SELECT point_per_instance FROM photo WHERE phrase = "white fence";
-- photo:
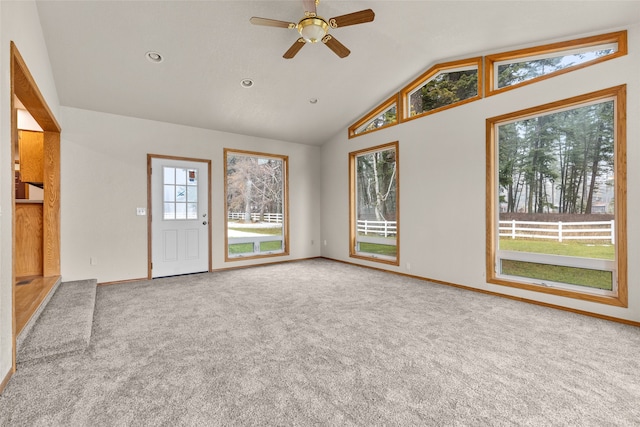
(267, 217)
(379, 228)
(592, 230)
(560, 231)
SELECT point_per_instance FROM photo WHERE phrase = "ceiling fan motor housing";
(313, 29)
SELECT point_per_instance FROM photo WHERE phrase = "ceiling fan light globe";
(313, 29)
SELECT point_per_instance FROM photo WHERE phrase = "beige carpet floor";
(324, 343)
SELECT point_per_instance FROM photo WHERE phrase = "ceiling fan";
(313, 28)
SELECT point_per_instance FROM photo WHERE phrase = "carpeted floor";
(324, 343)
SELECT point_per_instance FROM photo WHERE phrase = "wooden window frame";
(395, 99)
(430, 74)
(618, 94)
(352, 204)
(285, 204)
(619, 37)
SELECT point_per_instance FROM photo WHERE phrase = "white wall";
(104, 180)
(442, 202)
(19, 22)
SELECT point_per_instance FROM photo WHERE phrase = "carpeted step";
(64, 327)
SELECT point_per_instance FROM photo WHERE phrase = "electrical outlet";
(141, 211)
(93, 260)
(408, 266)
(325, 242)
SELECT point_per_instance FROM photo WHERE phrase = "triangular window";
(384, 115)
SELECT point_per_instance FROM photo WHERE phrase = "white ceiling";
(97, 51)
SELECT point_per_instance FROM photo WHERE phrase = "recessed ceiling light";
(313, 101)
(154, 57)
(246, 83)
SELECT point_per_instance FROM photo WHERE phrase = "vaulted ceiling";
(97, 50)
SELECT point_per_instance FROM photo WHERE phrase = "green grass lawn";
(569, 248)
(244, 248)
(555, 273)
(374, 248)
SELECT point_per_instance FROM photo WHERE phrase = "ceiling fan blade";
(271, 22)
(310, 7)
(294, 49)
(354, 18)
(337, 47)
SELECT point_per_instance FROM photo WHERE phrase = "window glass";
(511, 73)
(177, 191)
(548, 273)
(256, 194)
(443, 89)
(519, 67)
(558, 197)
(442, 86)
(384, 115)
(374, 198)
(379, 121)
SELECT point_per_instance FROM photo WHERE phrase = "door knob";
(204, 222)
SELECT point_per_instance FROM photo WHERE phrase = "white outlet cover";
(141, 211)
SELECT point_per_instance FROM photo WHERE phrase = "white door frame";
(150, 157)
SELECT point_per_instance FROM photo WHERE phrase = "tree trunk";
(247, 201)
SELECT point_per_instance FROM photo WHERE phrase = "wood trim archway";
(24, 87)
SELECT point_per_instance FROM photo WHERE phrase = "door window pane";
(192, 210)
(192, 193)
(181, 211)
(169, 175)
(181, 176)
(169, 211)
(180, 186)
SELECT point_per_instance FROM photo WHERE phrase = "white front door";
(179, 216)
